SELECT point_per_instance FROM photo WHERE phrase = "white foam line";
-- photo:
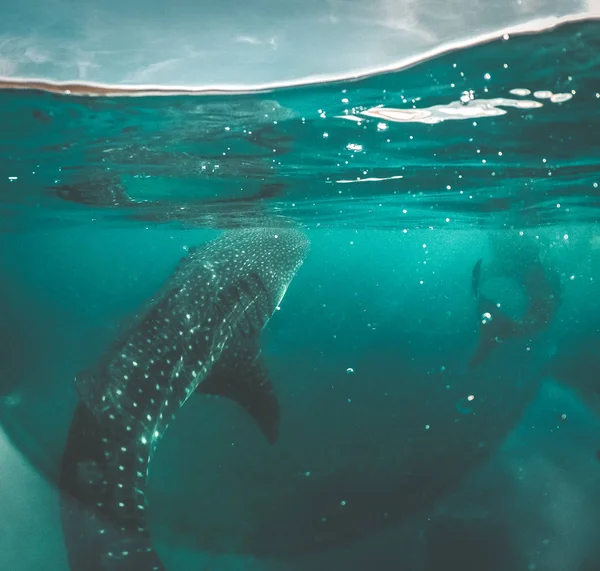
(107, 89)
(370, 179)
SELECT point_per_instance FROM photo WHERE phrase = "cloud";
(231, 44)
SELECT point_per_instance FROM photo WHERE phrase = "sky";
(233, 43)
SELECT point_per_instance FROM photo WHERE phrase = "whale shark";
(199, 334)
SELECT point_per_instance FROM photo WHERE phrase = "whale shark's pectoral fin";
(243, 378)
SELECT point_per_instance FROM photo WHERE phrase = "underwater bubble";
(467, 96)
(349, 371)
(354, 147)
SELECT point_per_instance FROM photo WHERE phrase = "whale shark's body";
(200, 333)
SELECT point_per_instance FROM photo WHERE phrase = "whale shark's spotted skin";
(199, 333)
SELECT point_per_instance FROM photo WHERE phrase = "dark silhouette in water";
(102, 192)
(110, 192)
(543, 290)
(200, 333)
(99, 188)
(422, 466)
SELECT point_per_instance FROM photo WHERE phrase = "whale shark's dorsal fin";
(241, 375)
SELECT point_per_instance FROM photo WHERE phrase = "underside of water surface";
(435, 358)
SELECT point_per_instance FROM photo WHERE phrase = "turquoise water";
(398, 449)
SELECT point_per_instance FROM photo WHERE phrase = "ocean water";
(449, 206)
